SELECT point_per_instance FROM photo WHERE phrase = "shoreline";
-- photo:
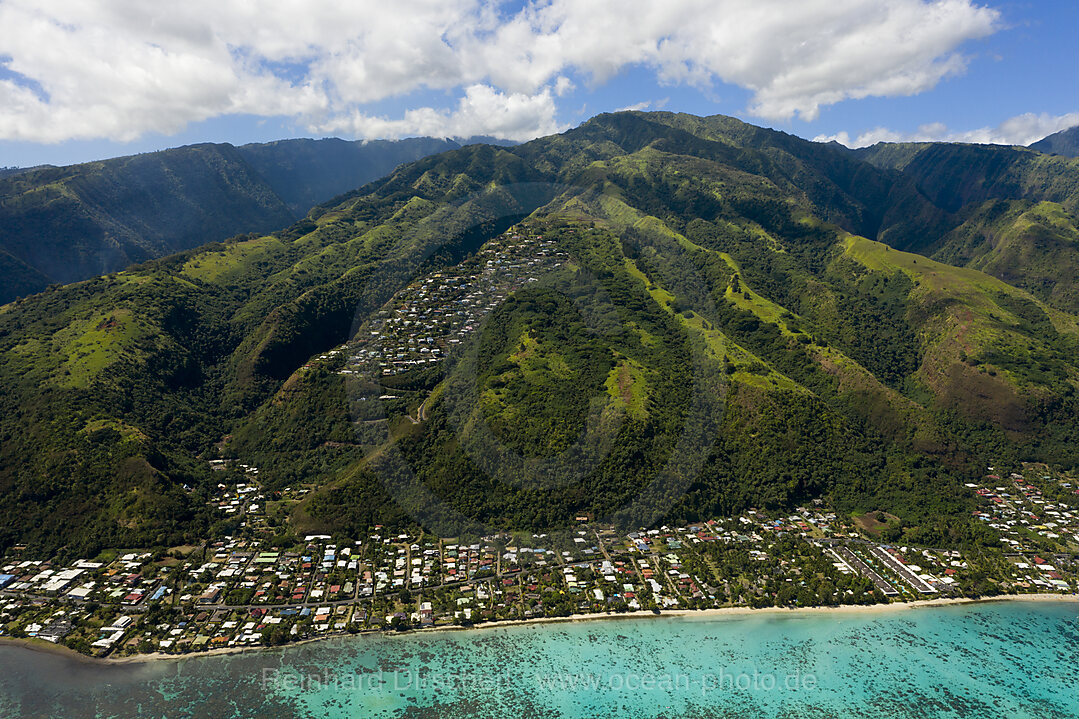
(39, 645)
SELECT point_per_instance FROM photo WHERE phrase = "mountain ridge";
(63, 224)
(1065, 142)
(853, 369)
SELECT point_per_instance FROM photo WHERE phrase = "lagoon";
(1014, 659)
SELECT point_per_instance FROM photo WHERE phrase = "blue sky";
(111, 77)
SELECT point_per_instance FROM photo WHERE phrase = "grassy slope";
(1031, 245)
(220, 267)
(889, 409)
(956, 175)
(978, 338)
(74, 222)
(69, 223)
(1015, 211)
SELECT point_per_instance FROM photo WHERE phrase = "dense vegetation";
(305, 173)
(1008, 212)
(1065, 142)
(739, 326)
(63, 224)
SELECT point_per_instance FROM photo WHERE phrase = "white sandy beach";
(733, 612)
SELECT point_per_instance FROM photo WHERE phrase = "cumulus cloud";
(1019, 130)
(121, 68)
(646, 105)
(636, 107)
(515, 116)
(794, 56)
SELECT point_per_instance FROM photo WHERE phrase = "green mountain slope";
(70, 223)
(1031, 245)
(75, 222)
(12, 171)
(720, 322)
(955, 176)
(1011, 212)
(1065, 142)
(20, 278)
(305, 173)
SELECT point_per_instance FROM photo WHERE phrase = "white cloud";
(1019, 130)
(646, 105)
(482, 111)
(1022, 129)
(794, 56)
(121, 68)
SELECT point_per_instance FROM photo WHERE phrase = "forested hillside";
(1065, 142)
(64, 224)
(739, 318)
(1010, 212)
(70, 223)
(305, 173)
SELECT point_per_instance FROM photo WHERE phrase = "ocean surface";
(1005, 659)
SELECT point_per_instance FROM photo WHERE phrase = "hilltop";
(1065, 142)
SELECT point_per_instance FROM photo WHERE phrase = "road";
(865, 570)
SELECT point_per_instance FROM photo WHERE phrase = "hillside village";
(423, 322)
(240, 591)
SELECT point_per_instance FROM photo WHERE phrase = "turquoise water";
(1007, 659)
